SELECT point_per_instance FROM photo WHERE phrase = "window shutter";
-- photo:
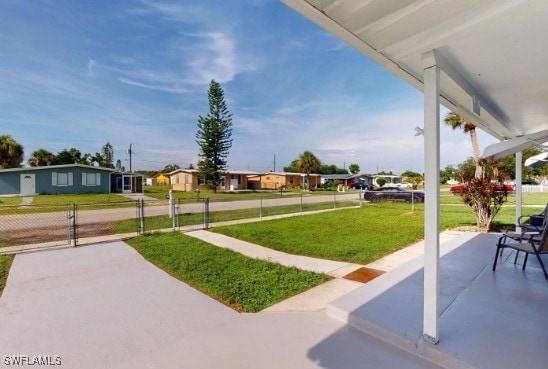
(84, 179)
(54, 178)
(98, 179)
(70, 179)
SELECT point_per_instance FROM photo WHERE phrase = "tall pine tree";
(214, 137)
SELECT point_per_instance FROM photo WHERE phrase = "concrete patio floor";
(104, 306)
(488, 319)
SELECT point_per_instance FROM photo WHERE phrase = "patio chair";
(537, 222)
(535, 226)
(529, 244)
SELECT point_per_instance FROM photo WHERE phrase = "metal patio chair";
(530, 244)
(534, 222)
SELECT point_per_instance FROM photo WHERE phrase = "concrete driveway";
(104, 306)
(98, 306)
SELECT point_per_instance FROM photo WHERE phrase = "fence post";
(334, 199)
(177, 211)
(301, 204)
(141, 212)
(206, 213)
(170, 197)
(75, 225)
(69, 226)
(172, 211)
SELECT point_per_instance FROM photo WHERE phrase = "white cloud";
(154, 87)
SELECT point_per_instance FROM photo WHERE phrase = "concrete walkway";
(104, 306)
(317, 298)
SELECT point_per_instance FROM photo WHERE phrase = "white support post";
(518, 188)
(431, 202)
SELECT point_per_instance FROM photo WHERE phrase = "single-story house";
(121, 182)
(162, 179)
(149, 181)
(190, 180)
(233, 180)
(276, 180)
(390, 179)
(186, 180)
(348, 179)
(55, 179)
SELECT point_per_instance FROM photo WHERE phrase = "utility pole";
(129, 152)
(274, 163)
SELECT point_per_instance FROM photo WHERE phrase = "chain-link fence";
(28, 227)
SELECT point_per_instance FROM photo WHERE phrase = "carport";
(483, 59)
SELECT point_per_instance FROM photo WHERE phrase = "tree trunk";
(475, 148)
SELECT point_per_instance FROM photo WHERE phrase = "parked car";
(459, 188)
(393, 194)
(361, 186)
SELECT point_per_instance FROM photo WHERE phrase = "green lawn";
(79, 199)
(359, 235)
(243, 283)
(10, 200)
(56, 203)
(5, 264)
(354, 235)
(160, 192)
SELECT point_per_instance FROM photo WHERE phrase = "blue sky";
(81, 73)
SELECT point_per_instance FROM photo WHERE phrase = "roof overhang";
(509, 147)
(537, 160)
(490, 52)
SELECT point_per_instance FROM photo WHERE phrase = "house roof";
(244, 172)
(183, 171)
(159, 174)
(291, 174)
(491, 54)
(50, 167)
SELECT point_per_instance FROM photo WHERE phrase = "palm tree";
(41, 157)
(455, 121)
(308, 163)
(11, 152)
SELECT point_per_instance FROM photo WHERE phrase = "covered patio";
(485, 60)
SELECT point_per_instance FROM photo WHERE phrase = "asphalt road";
(152, 208)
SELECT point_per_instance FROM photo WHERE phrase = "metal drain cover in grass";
(363, 274)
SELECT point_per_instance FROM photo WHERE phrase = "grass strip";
(5, 264)
(240, 282)
(186, 219)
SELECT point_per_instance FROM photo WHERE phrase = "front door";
(234, 184)
(28, 185)
(127, 184)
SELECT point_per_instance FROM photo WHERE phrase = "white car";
(403, 185)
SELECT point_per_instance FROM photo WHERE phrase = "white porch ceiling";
(491, 52)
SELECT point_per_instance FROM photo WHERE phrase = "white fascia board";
(505, 148)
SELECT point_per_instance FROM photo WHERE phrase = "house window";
(177, 179)
(201, 180)
(239, 179)
(91, 179)
(268, 178)
(61, 179)
(186, 178)
(291, 179)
